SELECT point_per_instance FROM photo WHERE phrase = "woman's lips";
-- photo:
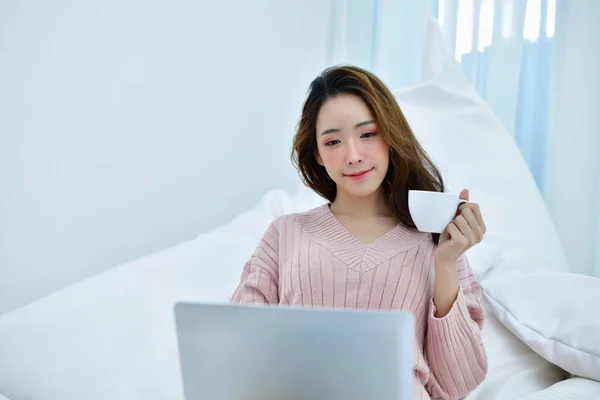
(359, 175)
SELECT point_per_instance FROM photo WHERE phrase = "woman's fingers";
(455, 233)
(473, 223)
(464, 228)
(476, 210)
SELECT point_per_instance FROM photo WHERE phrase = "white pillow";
(112, 336)
(513, 369)
(475, 151)
(556, 314)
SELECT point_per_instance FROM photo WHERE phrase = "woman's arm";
(260, 276)
(445, 288)
(453, 346)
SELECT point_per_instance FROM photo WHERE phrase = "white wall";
(573, 176)
(122, 121)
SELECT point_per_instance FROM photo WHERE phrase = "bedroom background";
(121, 122)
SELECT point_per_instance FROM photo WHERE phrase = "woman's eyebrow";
(335, 130)
(363, 123)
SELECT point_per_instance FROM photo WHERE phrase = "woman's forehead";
(343, 112)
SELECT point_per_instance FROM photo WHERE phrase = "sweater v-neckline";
(351, 235)
(324, 227)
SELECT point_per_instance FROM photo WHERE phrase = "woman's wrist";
(446, 286)
(444, 263)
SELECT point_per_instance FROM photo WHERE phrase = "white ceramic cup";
(432, 211)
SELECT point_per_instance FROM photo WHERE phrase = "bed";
(112, 336)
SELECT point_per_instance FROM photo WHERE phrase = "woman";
(355, 148)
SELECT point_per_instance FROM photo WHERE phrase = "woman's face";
(355, 156)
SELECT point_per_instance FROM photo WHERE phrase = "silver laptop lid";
(244, 352)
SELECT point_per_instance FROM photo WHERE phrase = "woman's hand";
(466, 230)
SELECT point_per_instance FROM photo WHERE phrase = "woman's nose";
(354, 154)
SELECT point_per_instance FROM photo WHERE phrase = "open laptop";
(246, 352)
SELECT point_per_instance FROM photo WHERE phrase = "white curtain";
(383, 36)
(572, 187)
(536, 64)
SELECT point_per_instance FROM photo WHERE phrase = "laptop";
(252, 352)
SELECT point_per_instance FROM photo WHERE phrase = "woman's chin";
(361, 191)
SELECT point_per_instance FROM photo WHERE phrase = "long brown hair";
(410, 167)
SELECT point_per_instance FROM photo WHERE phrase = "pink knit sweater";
(311, 259)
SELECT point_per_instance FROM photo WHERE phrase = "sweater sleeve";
(260, 276)
(453, 345)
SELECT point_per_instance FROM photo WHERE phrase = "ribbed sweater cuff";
(458, 314)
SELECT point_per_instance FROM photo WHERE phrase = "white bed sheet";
(574, 388)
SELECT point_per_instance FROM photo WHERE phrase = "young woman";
(355, 148)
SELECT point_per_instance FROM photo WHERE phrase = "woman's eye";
(332, 142)
(369, 134)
